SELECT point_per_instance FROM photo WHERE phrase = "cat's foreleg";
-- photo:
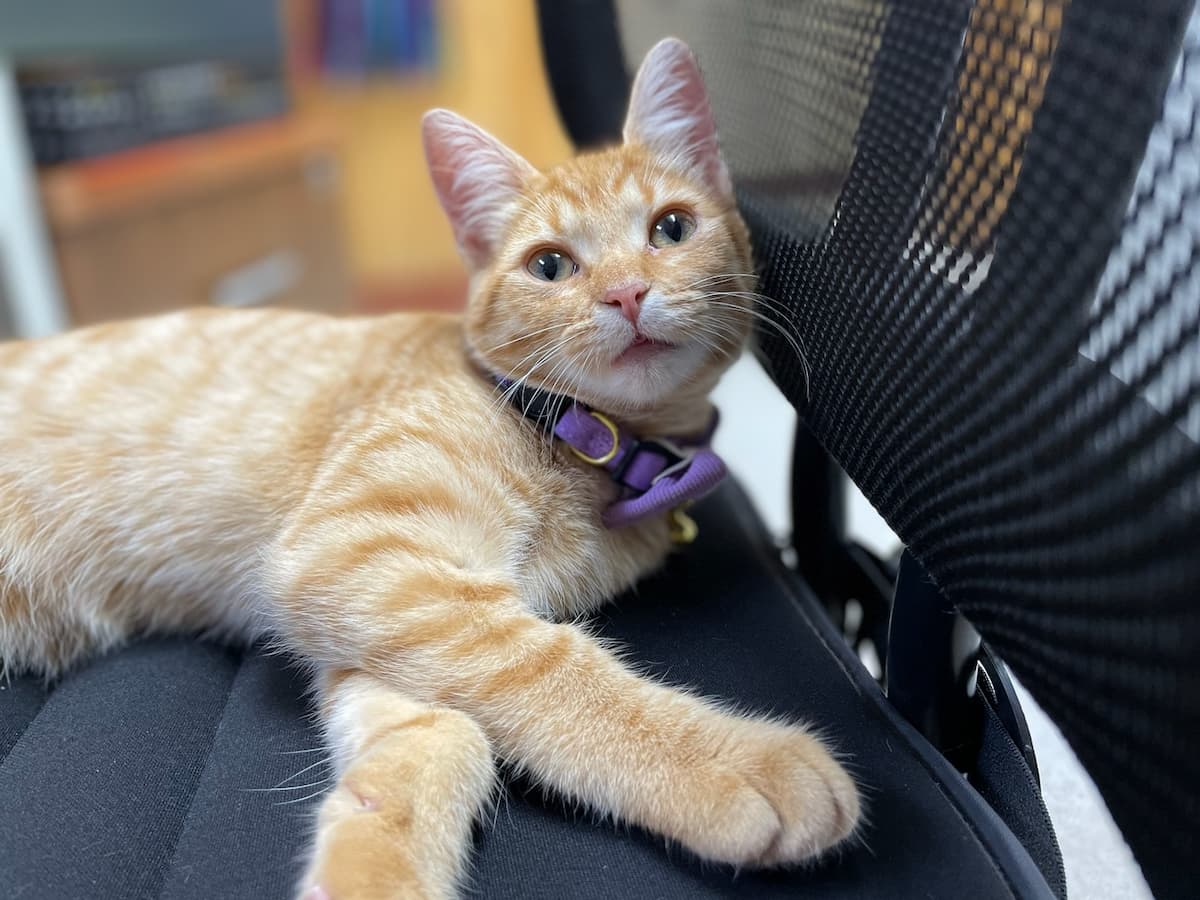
(412, 779)
(736, 789)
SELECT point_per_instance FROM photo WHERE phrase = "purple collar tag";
(656, 475)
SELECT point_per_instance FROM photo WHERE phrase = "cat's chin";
(645, 376)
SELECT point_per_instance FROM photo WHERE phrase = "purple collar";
(656, 475)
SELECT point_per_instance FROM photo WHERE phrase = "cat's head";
(619, 277)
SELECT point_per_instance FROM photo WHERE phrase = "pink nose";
(628, 297)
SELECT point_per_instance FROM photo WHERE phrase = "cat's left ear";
(478, 181)
(669, 113)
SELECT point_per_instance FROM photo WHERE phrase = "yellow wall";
(490, 71)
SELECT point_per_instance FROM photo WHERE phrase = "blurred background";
(163, 153)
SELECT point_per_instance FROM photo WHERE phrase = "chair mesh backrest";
(982, 221)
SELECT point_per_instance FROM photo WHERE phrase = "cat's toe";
(771, 795)
(738, 826)
(815, 798)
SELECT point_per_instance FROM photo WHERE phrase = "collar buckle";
(608, 457)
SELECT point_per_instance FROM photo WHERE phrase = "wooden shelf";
(78, 195)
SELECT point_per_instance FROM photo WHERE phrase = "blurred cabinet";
(242, 217)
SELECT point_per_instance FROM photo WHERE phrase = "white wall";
(30, 287)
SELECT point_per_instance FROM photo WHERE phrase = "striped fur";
(356, 488)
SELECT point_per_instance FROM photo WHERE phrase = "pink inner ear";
(669, 112)
(477, 179)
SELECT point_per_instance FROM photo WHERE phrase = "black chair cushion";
(143, 774)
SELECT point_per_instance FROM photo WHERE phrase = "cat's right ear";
(669, 112)
(477, 180)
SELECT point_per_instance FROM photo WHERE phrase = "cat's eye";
(551, 265)
(672, 228)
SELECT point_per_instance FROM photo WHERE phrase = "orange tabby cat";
(357, 488)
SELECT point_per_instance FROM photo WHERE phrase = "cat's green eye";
(672, 228)
(551, 265)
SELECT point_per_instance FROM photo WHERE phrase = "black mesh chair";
(981, 220)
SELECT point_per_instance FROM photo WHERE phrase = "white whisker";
(300, 799)
(319, 762)
(793, 340)
(524, 337)
(294, 787)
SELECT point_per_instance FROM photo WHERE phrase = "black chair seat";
(142, 774)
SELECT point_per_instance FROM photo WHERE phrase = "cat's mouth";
(642, 348)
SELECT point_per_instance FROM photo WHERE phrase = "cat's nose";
(629, 297)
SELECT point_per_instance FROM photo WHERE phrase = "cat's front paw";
(771, 795)
(359, 853)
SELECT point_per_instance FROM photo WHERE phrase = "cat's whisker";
(582, 368)
(763, 304)
(548, 358)
(553, 348)
(301, 799)
(524, 337)
(506, 395)
(762, 314)
(540, 349)
(319, 762)
(712, 346)
(759, 300)
(579, 367)
(294, 787)
(712, 279)
(731, 342)
(792, 340)
(549, 424)
(562, 361)
(722, 324)
(537, 351)
(551, 385)
(556, 362)
(757, 295)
